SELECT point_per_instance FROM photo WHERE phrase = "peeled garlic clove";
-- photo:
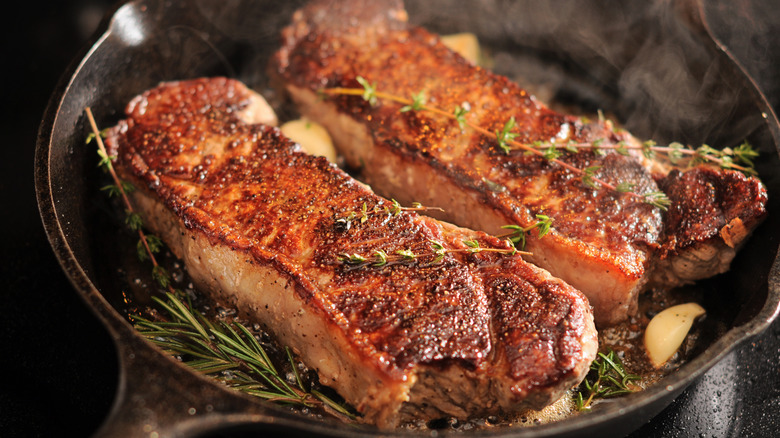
(312, 137)
(667, 330)
(466, 44)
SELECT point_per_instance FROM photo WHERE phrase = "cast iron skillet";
(654, 65)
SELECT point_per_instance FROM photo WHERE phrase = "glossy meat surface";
(605, 243)
(264, 226)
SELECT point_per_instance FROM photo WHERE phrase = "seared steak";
(609, 245)
(464, 327)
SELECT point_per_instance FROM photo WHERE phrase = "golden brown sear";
(449, 331)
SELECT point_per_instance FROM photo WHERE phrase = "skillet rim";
(124, 335)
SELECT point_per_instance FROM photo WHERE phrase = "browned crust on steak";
(713, 212)
(602, 242)
(261, 224)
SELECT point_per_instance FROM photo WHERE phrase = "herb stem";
(607, 378)
(120, 187)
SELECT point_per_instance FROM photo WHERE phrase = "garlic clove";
(466, 44)
(313, 138)
(667, 331)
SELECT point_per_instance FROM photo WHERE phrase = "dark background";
(63, 369)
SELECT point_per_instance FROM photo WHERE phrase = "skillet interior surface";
(654, 67)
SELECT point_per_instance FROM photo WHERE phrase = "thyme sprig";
(230, 353)
(607, 378)
(740, 158)
(435, 252)
(388, 210)
(121, 189)
(518, 234)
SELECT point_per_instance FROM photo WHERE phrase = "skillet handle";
(158, 397)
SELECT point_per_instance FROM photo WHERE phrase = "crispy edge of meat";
(713, 213)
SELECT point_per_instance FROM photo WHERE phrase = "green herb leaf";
(112, 190)
(396, 208)
(621, 148)
(675, 153)
(369, 91)
(380, 258)
(473, 244)
(161, 276)
(91, 135)
(105, 160)
(543, 225)
(588, 175)
(406, 254)
(517, 236)
(154, 242)
(230, 353)
(657, 199)
(460, 115)
(745, 153)
(506, 135)
(493, 186)
(351, 259)
(551, 153)
(595, 146)
(140, 249)
(607, 378)
(133, 220)
(418, 102)
(647, 149)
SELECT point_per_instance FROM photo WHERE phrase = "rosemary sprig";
(228, 352)
(740, 158)
(231, 354)
(607, 378)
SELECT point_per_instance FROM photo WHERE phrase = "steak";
(449, 322)
(608, 244)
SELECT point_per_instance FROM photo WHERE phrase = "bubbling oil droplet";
(223, 313)
(557, 411)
